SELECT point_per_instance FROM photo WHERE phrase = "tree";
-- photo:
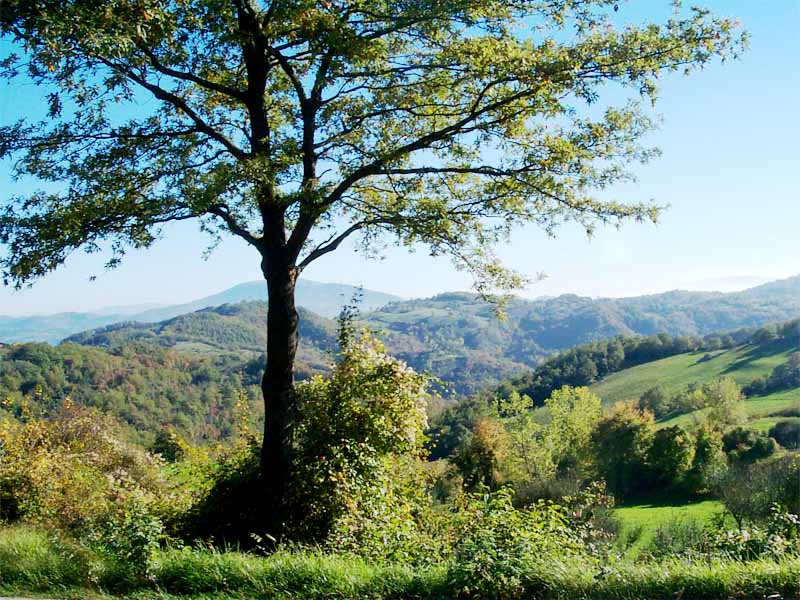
(724, 403)
(295, 125)
(656, 401)
(620, 443)
(537, 451)
(670, 456)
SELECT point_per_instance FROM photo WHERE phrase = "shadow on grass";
(760, 351)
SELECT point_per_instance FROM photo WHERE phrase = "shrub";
(496, 543)
(228, 505)
(786, 433)
(749, 491)
(350, 426)
(747, 446)
(778, 535)
(73, 475)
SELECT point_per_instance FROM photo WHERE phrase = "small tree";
(538, 451)
(656, 401)
(620, 443)
(294, 125)
(670, 457)
(724, 403)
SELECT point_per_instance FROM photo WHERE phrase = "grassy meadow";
(673, 374)
(742, 364)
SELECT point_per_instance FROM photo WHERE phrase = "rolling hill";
(743, 364)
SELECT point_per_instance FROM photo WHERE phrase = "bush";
(778, 535)
(496, 543)
(72, 475)
(786, 433)
(351, 426)
(750, 491)
(747, 446)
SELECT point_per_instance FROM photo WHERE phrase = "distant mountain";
(458, 338)
(326, 299)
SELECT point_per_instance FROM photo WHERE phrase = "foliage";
(144, 386)
(397, 522)
(620, 443)
(747, 446)
(72, 476)
(723, 403)
(787, 434)
(482, 455)
(496, 542)
(358, 89)
(671, 457)
(351, 425)
(782, 377)
(540, 452)
(778, 534)
(749, 491)
(709, 459)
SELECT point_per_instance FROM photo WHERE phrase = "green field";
(645, 518)
(673, 374)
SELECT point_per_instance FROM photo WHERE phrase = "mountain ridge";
(326, 299)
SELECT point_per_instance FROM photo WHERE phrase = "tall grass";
(31, 562)
(35, 562)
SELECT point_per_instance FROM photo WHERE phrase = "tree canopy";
(294, 125)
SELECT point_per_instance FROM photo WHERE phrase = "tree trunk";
(277, 386)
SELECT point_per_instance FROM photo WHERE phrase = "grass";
(767, 423)
(644, 518)
(31, 563)
(759, 409)
(673, 374)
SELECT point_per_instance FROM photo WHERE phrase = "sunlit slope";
(673, 374)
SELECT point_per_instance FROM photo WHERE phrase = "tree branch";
(332, 243)
(234, 227)
(204, 83)
(178, 103)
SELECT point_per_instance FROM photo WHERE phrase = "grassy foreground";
(30, 563)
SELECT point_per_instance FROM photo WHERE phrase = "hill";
(325, 299)
(744, 364)
(144, 386)
(457, 336)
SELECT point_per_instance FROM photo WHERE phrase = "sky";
(730, 142)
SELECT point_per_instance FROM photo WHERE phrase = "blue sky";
(730, 139)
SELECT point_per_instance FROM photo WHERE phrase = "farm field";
(673, 374)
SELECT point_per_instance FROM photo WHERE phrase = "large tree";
(294, 124)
